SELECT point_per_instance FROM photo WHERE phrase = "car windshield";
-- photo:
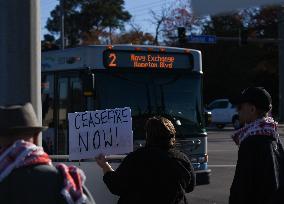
(176, 96)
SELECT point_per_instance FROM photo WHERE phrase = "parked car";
(223, 113)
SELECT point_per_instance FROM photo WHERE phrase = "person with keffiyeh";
(27, 175)
(256, 176)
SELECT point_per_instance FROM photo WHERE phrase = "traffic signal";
(181, 35)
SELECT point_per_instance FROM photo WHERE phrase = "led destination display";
(147, 60)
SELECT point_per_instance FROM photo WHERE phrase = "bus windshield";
(176, 96)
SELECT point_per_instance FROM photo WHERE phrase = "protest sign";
(103, 131)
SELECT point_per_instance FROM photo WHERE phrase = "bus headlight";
(202, 159)
(194, 160)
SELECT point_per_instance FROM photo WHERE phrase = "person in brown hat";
(256, 177)
(156, 173)
(27, 175)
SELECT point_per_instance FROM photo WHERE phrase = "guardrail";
(110, 158)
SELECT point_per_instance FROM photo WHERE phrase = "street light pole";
(62, 37)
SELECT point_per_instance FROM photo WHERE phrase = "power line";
(147, 12)
(146, 5)
(146, 9)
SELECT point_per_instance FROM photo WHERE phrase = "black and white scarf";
(265, 126)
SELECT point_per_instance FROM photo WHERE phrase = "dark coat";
(255, 178)
(152, 175)
(33, 185)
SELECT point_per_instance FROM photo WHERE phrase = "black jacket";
(256, 175)
(152, 175)
(33, 185)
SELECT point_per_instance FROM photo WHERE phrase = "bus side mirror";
(88, 84)
(208, 118)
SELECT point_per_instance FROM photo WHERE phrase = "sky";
(139, 9)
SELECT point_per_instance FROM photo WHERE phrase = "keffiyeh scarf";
(264, 126)
(23, 153)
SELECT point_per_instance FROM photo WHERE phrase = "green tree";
(264, 22)
(49, 43)
(71, 21)
(88, 17)
(223, 25)
(253, 64)
(260, 23)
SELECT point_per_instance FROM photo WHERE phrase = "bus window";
(47, 90)
(175, 96)
(181, 102)
(125, 91)
(70, 95)
(62, 115)
(77, 103)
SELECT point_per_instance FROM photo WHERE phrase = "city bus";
(151, 80)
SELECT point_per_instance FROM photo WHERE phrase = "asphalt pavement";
(222, 153)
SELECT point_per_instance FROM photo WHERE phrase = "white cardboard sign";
(103, 131)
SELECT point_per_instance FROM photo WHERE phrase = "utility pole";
(110, 35)
(62, 37)
(281, 63)
(20, 75)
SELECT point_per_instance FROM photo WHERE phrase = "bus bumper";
(202, 173)
(203, 177)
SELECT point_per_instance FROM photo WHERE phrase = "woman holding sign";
(156, 173)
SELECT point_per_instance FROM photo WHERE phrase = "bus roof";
(91, 57)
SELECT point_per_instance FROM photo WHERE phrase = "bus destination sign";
(147, 60)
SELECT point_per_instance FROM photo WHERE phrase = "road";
(222, 159)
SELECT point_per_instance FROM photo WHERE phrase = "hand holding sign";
(102, 131)
(102, 162)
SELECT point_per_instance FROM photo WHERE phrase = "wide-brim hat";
(19, 120)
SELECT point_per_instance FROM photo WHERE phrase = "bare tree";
(158, 19)
(174, 15)
(134, 35)
(134, 26)
(180, 15)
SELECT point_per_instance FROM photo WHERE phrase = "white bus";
(151, 80)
